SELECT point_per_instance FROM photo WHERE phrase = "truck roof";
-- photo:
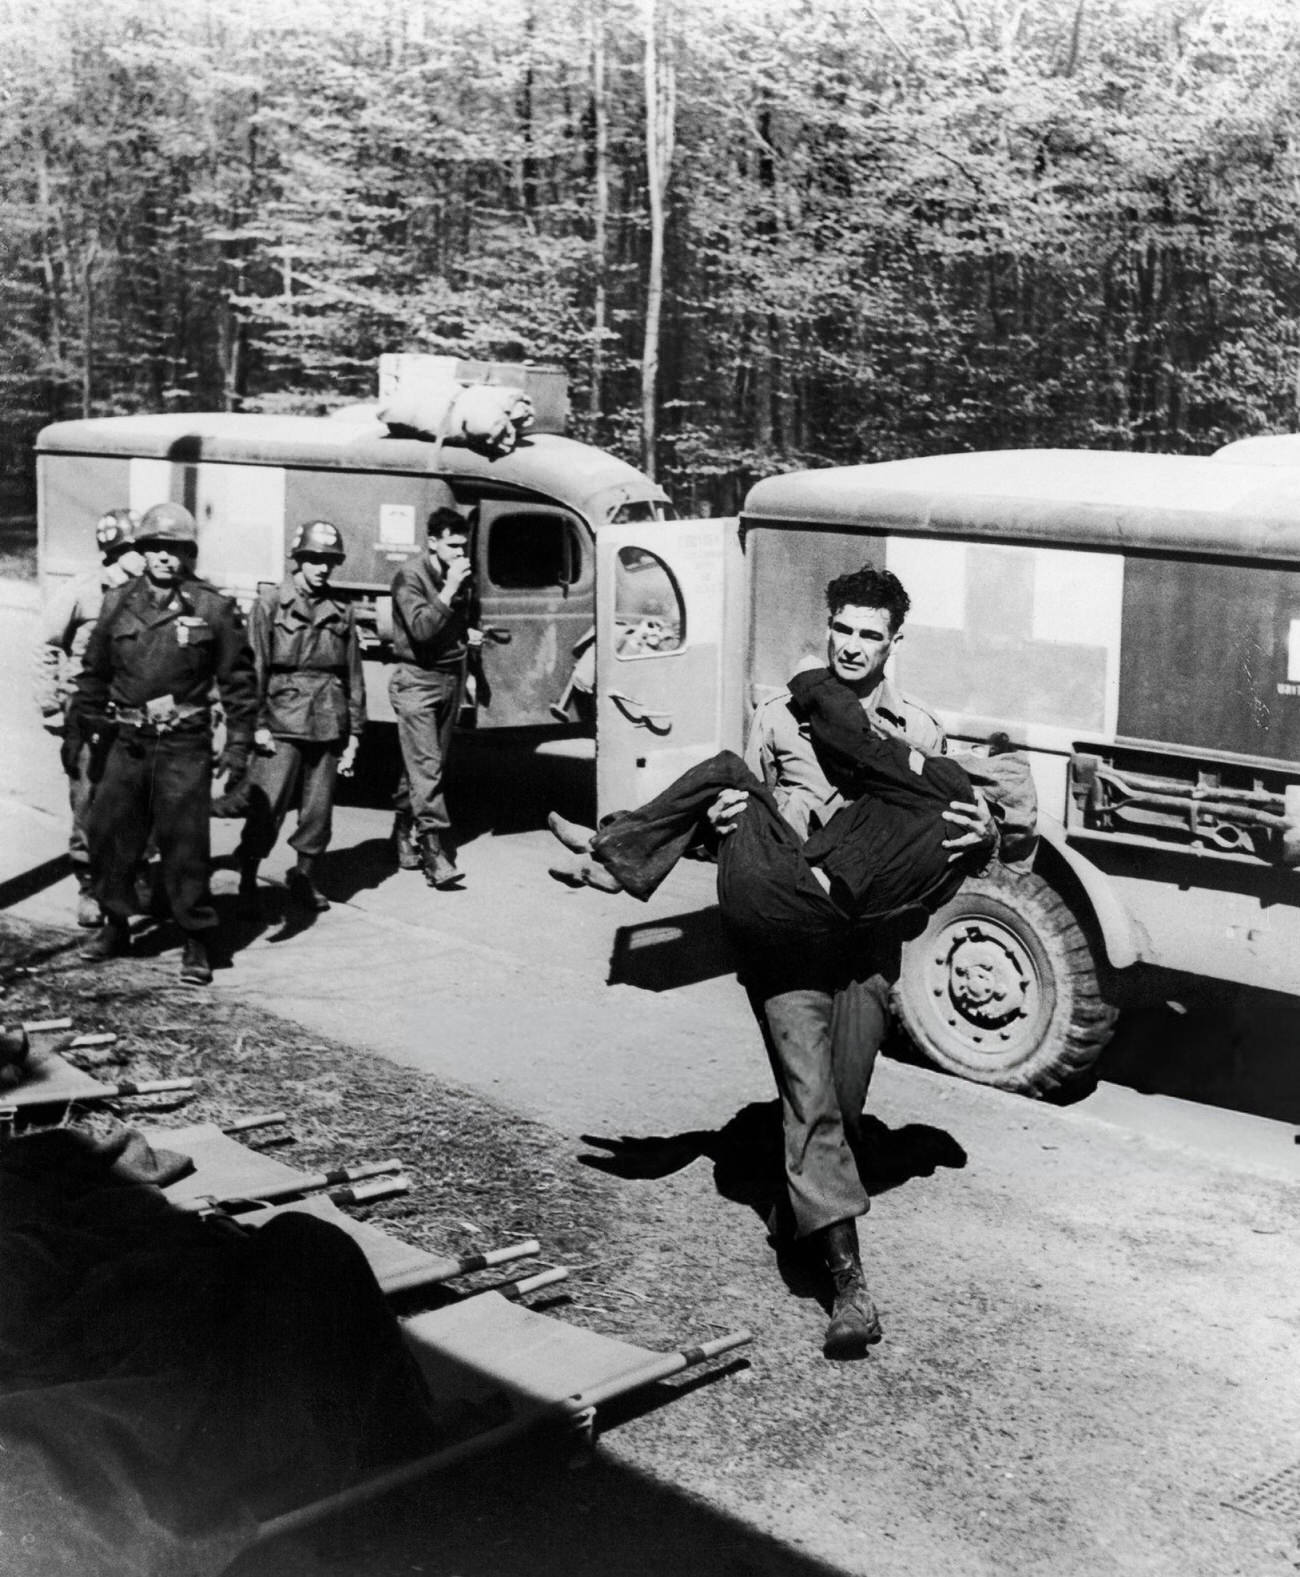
(1056, 497)
(592, 481)
(1263, 449)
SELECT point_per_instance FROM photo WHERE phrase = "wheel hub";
(988, 983)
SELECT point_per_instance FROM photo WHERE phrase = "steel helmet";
(115, 531)
(318, 536)
(168, 523)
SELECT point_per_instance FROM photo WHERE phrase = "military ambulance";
(1132, 621)
(377, 471)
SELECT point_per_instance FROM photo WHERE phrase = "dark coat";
(140, 651)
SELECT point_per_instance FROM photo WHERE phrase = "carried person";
(312, 711)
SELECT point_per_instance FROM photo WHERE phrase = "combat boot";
(855, 1322)
(112, 940)
(440, 868)
(303, 889)
(408, 850)
(89, 915)
(196, 967)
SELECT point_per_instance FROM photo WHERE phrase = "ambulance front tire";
(1004, 987)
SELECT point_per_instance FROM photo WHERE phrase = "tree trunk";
(600, 207)
(87, 327)
(661, 114)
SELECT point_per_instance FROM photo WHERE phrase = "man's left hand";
(976, 820)
(348, 759)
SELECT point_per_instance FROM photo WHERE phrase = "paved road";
(1092, 1324)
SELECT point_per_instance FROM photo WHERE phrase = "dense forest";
(758, 234)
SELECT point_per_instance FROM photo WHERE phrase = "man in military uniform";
(313, 709)
(144, 696)
(824, 1011)
(432, 636)
(69, 619)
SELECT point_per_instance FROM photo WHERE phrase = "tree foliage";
(892, 226)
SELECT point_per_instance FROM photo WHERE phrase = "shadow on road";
(748, 1169)
(524, 1510)
(748, 1164)
(681, 950)
(1212, 1042)
(362, 867)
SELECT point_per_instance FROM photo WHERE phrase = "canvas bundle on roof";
(490, 406)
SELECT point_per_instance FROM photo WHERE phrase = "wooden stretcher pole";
(527, 1284)
(308, 1182)
(657, 1367)
(404, 1473)
(569, 1410)
(145, 1087)
(422, 1277)
(243, 1124)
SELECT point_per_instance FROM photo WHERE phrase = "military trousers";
(159, 786)
(304, 771)
(81, 795)
(822, 1041)
(426, 702)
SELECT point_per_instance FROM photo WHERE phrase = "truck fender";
(1119, 932)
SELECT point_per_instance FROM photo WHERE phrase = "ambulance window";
(641, 509)
(533, 551)
(649, 616)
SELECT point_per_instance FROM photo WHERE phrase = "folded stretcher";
(483, 1356)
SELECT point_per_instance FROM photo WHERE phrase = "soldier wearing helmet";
(312, 709)
(69, 619)
(163, 643)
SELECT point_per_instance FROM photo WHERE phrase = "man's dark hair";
(444, 519)
(869, 587)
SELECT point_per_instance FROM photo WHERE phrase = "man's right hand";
(725, 812)
(458, 572)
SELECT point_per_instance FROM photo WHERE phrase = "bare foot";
(574, 837)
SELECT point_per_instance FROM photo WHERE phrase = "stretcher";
(50, 1080)
(484, 1356)
(38, 1076)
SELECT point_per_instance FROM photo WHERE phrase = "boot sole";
(851, 1343)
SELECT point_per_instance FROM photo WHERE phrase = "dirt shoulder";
(1089, 1339)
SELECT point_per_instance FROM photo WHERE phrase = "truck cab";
(1131, 621)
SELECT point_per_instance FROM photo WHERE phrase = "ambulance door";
(667, 653)
(534, 577)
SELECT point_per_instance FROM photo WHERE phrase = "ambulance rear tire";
(1004, 987)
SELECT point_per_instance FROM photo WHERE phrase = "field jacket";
(428, 631)
(141, 650)
(309, 675)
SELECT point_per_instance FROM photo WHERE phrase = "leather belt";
(138, 717)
